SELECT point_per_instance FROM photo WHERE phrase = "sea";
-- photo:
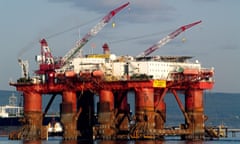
(220, 108)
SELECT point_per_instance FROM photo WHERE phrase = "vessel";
(12, 114)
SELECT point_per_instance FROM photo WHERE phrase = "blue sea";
(221, 108)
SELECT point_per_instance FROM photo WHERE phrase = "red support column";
(145, 115)
(106, 115)
(68, 115)
(70, 98)
(32, 128)
(144, 99)
(195, 111)
(106, 100)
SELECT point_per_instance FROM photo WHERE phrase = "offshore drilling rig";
(78, 78)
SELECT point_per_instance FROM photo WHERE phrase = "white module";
(153, 67)
(86, 64)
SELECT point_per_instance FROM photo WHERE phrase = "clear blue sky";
(215, 42)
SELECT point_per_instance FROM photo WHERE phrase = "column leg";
(145, 115)
(32, 121)
(68, 111)
(195, 111)
(106, 115)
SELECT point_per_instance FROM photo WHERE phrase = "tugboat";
(55, 128)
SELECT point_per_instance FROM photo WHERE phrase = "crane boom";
(93, 32)
(167, 39)
(24, 67)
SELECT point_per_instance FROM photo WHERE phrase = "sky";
(215, 42)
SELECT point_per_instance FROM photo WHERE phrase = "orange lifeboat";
(190, 71)
(70, 74)
(97, 73)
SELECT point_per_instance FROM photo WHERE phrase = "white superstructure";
(11, 109)
(121, 68)
(86, 64)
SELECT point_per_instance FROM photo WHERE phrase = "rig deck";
(113, 118)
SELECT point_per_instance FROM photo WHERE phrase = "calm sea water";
(4, 140)
(221, 108)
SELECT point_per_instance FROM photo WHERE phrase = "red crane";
(46, 60)
(167, 39)
(93, 32)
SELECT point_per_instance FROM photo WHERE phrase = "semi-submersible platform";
(79, 78)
